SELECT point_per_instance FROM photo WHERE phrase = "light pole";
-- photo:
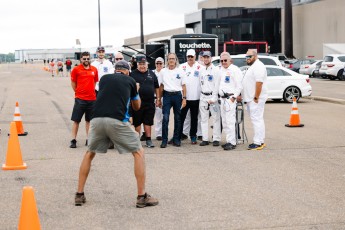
(288, 29)
(99, 24)
(141, 26)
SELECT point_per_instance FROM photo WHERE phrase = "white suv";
(240, 60)
(333, 66)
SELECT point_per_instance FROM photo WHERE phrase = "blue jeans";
(175, 101)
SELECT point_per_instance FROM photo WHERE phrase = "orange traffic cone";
(14, 159)
(28, 219)
(18, 119)
(294, 117)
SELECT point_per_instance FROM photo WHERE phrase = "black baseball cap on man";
(141, 58)
(100, 48)
(122, 65)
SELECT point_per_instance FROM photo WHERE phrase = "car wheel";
(290, 93)
(340, 74)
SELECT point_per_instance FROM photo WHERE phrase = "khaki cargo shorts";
(105, 129)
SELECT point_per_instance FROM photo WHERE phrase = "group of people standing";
(203, 90)
(58, 67)
(109, 98)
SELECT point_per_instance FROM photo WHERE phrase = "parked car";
(285, 84)
(293, 65)
(240, 60)
(316, 72)
(333, 66)
(308, 67)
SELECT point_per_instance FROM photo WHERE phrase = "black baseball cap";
(122, 65)
(141, 58)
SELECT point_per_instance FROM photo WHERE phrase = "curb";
(326, 99)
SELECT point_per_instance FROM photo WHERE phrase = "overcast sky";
(46, 24)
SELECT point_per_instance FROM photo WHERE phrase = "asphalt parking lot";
(297, 182)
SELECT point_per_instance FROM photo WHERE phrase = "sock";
(142, 195)
(80, 193)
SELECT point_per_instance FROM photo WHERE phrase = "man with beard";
(103, 65)
(83, 80)
(255, 94)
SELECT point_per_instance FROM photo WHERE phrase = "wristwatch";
(184, 97)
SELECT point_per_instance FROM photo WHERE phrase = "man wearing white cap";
(159, 63)
(230, 86)
(103, 65)
(192, 73)
(209, 100)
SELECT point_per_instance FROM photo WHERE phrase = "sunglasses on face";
(117, 59)
(86, 59)
(249, 56)
(159, 63)
(101, 51)
(190, 56)
(225, 60)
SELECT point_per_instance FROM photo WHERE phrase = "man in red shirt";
(83, 80)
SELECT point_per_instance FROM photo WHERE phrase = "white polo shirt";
(256, 73)
(208, 82)
(192, 81)
(172, 79)
(230, 80)
(104, 67)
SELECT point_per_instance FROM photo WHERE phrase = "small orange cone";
(294, 117)
(28, 219)
(18, 119)
(14, 159)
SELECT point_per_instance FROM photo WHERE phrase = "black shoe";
(143, 137)
(204, 143)
(73, 144)
(86, 142)
(176, 144)
(79, 199)
(223, 145)
(215, 143)
(163, 145)
(199, 138)
(229, 146)
(184, 137)
(159, 138)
